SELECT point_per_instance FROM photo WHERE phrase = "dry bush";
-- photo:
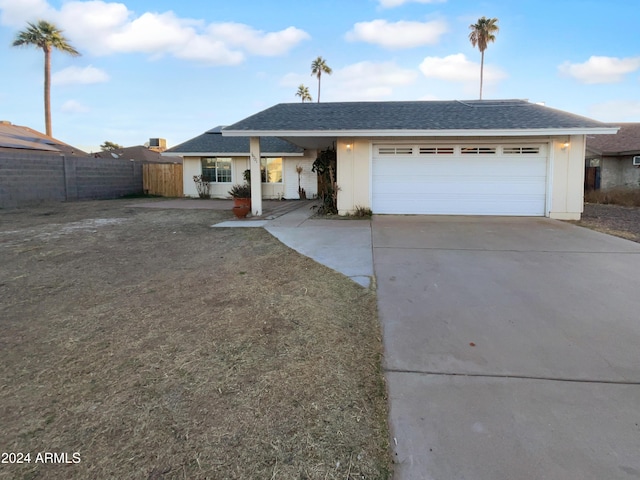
(626, 197)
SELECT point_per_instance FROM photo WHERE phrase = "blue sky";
(175, 69)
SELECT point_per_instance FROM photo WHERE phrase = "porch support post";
(256, 178)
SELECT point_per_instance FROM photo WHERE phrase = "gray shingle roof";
(420, 116)
(625, 142)
(212, 141)
(25, 138)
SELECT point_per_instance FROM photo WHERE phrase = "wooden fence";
(163, 179)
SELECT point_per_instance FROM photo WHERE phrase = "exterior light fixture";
(565, 145)
(348, 147)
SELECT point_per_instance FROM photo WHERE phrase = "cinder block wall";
(28, 178)
(107, 178)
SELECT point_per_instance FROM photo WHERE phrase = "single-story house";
(481, 157)
(223, 161)
(16, 138)
(614, 160)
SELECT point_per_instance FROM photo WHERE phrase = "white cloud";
(360, 81)
(401, 34)
(103, 28)
(73, 106)
(79, 76)
(457, 68)
(15, 13)
(258, 42)
(600, 69)
(365, 81)
(616, 111)
(397, 3)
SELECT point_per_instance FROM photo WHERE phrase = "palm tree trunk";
(47, 90)
(319, 75)
(481, 72)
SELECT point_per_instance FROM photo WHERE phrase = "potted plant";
(241, 195)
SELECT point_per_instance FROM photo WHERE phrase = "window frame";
(264, 170)
(217, 180)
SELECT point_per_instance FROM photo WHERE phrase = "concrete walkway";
(343, 245)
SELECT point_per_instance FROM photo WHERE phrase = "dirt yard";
(144, 344)
(612, 219)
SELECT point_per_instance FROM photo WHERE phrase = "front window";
(216, 170)
(271, 170)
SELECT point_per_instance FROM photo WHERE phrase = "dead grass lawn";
(160, 348)
(616, 220)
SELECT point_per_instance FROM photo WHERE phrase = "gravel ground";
(612, 219)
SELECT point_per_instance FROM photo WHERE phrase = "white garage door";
(459, 179)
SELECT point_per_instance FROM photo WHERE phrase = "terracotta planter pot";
(241, 202)
(241, 211)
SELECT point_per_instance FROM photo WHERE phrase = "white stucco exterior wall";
(288, 189)
(354, 173)
(567, 177)
(191, 167)
(308, 179)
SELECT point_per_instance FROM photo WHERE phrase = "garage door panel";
(462, 167)
(444, 185)
(460, 184)
(442, 204)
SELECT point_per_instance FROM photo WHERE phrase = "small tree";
(303, 93)
(108, 146)
(326, 167)
(203, 186)
(301, 193)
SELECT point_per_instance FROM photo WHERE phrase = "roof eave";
(423, 133)
(626, 153)
(230, 154)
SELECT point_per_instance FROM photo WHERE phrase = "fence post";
(70, 178)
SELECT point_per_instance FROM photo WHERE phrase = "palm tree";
(46, 36)
(303, 93)
(481, 34)
(318, 67)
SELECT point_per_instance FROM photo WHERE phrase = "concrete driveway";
(512, 348)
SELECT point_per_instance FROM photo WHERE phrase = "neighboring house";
(139, 153)
(21, 139)
(223, 160)
(481, 157)
(609, 159)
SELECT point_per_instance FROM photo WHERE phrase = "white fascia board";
(422, 133)
(231, 155)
